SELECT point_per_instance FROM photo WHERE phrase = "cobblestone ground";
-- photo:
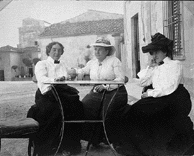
(15, 100)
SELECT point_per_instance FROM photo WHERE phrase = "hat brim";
(150, 48)
(105, 45)
(101, 45)
(154, 46)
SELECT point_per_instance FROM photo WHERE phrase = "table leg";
(62, 115)
(104, 113)
(103, 119)
(95, 125)
(102, 110)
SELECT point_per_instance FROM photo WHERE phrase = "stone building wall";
(151, 21)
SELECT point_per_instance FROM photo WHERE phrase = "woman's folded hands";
(71, 74)
(100, 88)
(62, 78)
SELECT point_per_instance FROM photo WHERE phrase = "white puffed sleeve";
(145, 76)
(167, 80)
(85, 70)
(118, 72)
(41, 72)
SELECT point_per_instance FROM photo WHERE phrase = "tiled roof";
(28, 49)
(93, 15)
(107, 26)
(8, 48)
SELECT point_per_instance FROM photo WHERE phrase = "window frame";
(169, 28)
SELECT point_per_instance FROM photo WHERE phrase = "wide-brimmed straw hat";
(159, 42)
(104, 42)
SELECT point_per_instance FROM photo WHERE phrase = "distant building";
(78, 32)
(18, 61)
(12, 62)
(85, 55)
(9, 57)
(28, 44)
(29, 32)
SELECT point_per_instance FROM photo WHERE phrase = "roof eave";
(74, 35)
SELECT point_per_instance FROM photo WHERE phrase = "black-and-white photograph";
(96, 78)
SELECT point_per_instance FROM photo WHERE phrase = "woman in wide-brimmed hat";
(105, 66)
(158, 124)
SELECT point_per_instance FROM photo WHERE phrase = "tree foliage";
(35, 60)
(27, 62)
(14, 67)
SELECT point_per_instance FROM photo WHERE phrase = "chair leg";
(0, 144)
(87, 148)
(29, 146)
(34, 149)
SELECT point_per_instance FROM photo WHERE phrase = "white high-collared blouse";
(164, 78)
(109, 69)
(47, 71)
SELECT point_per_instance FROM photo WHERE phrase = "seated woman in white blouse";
(159, 124)
(105, 66)
(47, 110)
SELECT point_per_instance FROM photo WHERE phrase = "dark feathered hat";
(159, 42)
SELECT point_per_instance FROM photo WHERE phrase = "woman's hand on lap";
(99, 88)
(62, 78)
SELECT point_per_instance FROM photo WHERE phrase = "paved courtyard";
(17, 97)
(15, 100)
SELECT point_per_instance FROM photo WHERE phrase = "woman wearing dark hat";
(158, 124)
(105, 66)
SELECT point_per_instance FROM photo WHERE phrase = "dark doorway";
(30, 72)
(135, 45)
(1, 75)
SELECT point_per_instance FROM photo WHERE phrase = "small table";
(90, 82)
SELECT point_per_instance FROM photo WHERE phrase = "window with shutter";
(173, 26)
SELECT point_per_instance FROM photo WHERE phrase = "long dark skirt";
(47, 112)
(158, 126)
(91, 104)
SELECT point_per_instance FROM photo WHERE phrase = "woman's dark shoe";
(96, 146)
(71, 149)
(76, 150)
(65, 153)
(70, 152)
(105, 141)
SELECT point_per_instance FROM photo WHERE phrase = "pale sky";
(52, 11)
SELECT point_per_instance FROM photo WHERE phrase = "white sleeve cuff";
(106, 87)
(150, 93)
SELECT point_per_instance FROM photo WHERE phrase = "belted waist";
(120, 86)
